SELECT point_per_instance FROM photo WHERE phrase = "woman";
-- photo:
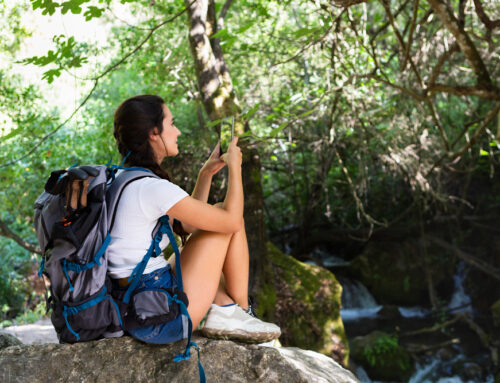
(216, 252)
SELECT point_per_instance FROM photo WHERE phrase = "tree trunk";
(219, 100)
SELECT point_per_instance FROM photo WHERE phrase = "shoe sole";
(242, 336)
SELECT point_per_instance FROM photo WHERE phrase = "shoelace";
(250, 311)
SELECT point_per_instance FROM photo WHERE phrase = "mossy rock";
(7, 340)
(382, 357)
(305, 301)
(495, 312)
(395, 272)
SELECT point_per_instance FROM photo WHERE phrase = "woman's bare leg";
(236, 268)
(234, 282)
(202, 260)
(233, 262)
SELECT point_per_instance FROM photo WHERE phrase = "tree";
(219, 100)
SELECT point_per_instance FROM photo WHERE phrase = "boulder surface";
(127, 360)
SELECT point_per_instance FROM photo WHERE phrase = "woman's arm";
(204, 181)
(201, 215)
(200, 193)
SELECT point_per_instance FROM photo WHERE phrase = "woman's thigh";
(202, 259)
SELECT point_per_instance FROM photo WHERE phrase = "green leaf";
(251, 111)
(305, 31)
(93, 12)
(277, 130)
(222, 34)
(50, 74)
(305, 114)
(75, 6)
(483, 152)
(47, 6)
(213, 123)
(245, 27)
(12, 133)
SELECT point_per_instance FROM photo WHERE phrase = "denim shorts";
(163, 333)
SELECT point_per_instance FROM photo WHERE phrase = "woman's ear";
(154, 134)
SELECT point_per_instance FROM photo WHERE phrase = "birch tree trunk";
(219, 100)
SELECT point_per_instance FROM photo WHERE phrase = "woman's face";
(166, 144)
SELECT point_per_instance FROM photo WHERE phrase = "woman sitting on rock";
(215, 259)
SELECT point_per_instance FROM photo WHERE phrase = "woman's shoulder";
(154, 185)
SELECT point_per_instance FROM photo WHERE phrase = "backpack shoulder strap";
(118, 184)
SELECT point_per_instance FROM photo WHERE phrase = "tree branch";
(5, 231)
(348, 3)
(428, 100)
(460, 90)
(470, 259)
(489, 117)
(410, 36)
(442, 59)
(223, 13)
(465, 43)
(488, 23)
(96, 81)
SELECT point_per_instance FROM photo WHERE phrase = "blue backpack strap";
(73, 310)
(187, 354)
(173, 242)
(153, 251)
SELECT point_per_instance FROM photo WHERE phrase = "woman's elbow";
(234, 225)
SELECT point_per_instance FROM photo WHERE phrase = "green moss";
(394, 273)
(305, 300)
(256, 175)
(382, 356)
(495, 311)
(267, 301)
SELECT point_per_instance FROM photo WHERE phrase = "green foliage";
(341, 138)
(14, 290)
(385, 349)
(69, 54)
(49, 7)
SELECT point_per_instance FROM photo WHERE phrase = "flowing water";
(360, 314)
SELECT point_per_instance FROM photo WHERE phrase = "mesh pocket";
(86, 320)
(152, 306)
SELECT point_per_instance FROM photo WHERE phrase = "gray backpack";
(73, 221)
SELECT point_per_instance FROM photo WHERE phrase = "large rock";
(7, 340)
(382, 357)
(394, 272)
(495, 312)
(41, 331)
(305, 301)
(124, 360)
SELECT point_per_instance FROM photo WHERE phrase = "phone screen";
(226, 133)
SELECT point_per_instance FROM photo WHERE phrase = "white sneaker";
(232, 322)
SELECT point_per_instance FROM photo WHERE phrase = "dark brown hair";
(134, 121)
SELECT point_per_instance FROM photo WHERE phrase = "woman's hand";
(233, 155)
(214, 162)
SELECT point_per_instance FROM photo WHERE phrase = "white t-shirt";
(143, 201)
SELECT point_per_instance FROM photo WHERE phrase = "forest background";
(369, 128)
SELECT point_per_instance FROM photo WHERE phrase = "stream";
(461, 361)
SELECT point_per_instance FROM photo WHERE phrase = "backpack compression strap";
(117, 186)
(154, 251)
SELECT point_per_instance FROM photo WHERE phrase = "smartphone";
(226, 133)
